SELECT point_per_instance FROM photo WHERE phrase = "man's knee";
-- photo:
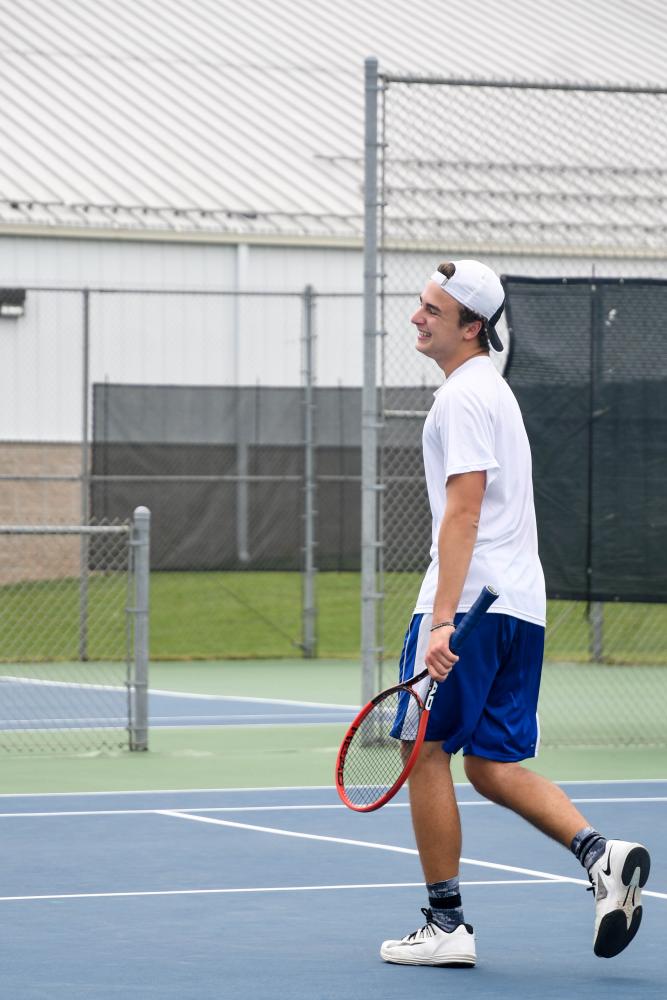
(489, 777)
(431, 754)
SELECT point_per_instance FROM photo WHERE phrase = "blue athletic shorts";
(487, 706)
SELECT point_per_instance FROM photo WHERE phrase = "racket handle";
(486, 598)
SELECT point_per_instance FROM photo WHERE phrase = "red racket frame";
(424, 707)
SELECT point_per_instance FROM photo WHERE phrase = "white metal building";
(151, 144)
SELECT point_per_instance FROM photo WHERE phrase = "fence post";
(596, 411)
(242, 484)
(84, 542)
(309, 602)
(369, 415)
(596, 621)
(140, 542)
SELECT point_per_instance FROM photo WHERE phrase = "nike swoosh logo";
(607, 870)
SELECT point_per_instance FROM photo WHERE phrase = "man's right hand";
(439, 658)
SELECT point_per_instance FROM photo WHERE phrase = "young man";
(479, 480)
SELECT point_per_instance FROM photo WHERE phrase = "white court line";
(178, 814)
(193, 809)
(172, 791)
(273, 888)
(197, 809)
(277, 723)
(629, 798)
(259, 701)
(303, 807)
(612, 781)
(112, 721)
(177, 694)
(239, 718)
(63, 684)
(548, 876)
(48, 722)
(51, 727)
(253, 789)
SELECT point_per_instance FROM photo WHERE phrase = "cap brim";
(494, 339)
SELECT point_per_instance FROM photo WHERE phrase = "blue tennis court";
(167, 708)
(36, 705)
(282, 892)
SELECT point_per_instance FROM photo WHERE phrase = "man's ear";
(473, 330)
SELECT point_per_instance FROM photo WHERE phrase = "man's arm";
(458, 533)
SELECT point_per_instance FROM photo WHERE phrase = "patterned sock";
(444, 900)
(587, 846)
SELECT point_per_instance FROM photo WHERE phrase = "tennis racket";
(382, 744)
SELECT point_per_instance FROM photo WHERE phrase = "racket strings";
(379, 750)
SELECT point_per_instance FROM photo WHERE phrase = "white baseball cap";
(477, 287)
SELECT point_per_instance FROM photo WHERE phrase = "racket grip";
(486, 598)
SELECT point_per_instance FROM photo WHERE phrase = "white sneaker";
(617, 879)
(430, 945)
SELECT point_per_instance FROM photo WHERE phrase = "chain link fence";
(544, 180)
(73, 656)
(235, 417)
(247, 421)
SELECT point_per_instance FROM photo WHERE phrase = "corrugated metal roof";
(215, 116)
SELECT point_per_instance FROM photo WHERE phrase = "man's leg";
(537, 799)
(435, 814)
(618, 869)
(445, 939)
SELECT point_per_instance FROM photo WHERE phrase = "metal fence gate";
(74, 605)
(538, 179)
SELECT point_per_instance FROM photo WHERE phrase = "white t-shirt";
(475, 424)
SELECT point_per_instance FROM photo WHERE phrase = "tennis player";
(479, 480)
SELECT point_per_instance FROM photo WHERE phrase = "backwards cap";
(477, 287)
